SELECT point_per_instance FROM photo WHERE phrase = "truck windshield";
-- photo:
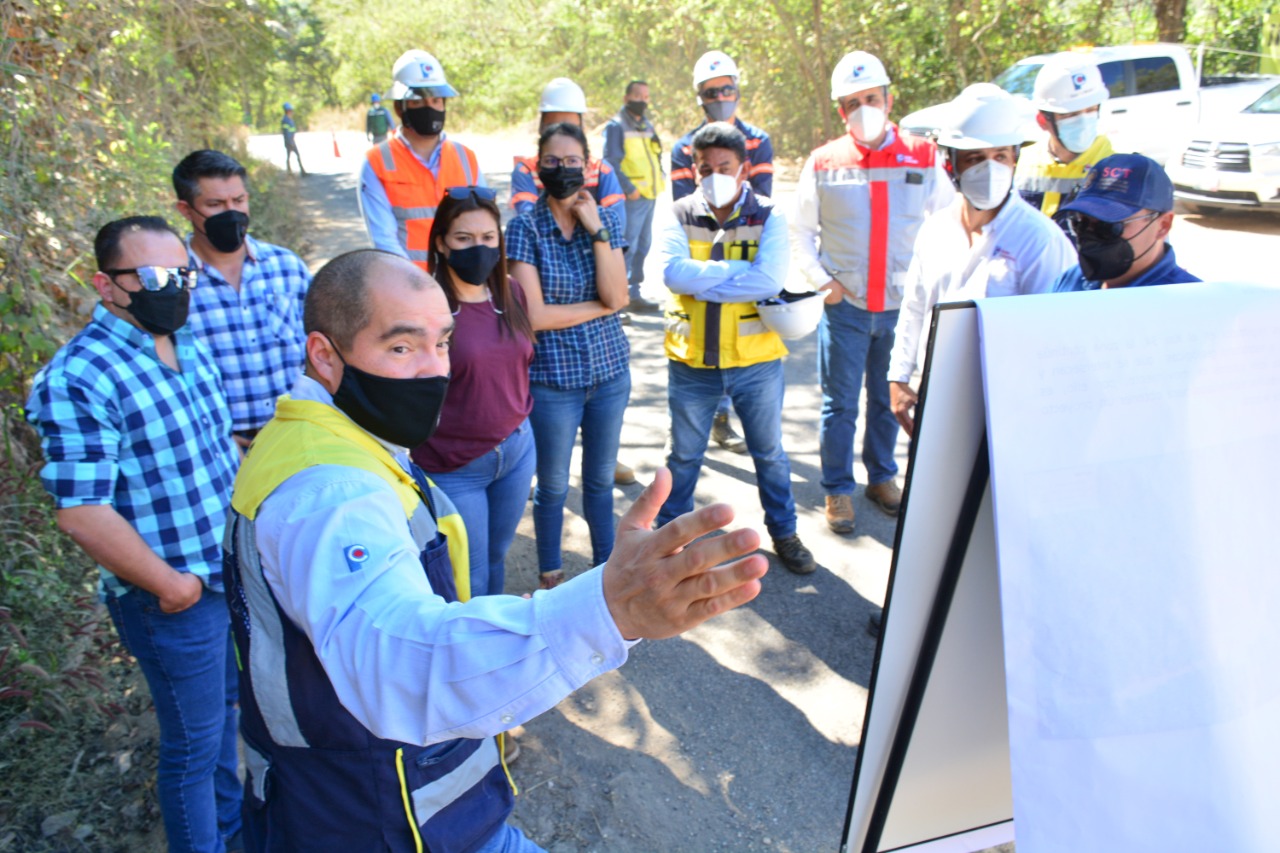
(1268, 103)
(1019, 79)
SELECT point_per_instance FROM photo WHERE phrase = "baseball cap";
(1119, 186)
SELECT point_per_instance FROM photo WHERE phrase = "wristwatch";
(601, 236)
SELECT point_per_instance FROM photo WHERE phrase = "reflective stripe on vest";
(641, 157)
(712, 334)
(414, 193)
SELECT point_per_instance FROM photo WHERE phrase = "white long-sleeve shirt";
(408, 665)
(1018, 252)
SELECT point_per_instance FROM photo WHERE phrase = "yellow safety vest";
(1047, 184)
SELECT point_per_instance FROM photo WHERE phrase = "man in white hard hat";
(405, 177)
(726, 249)
(1069, 91)
(563, 100)
(715, 79)
(859, 204)
(988, 242)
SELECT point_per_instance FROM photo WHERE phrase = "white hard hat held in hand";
(791, 315)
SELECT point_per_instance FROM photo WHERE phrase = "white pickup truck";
(1157, 97)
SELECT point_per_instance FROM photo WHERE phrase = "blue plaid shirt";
(256, 332)
(120, 428)
(589, 353)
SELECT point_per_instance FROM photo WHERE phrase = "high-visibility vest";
(641, 156)
(1047, 184)
(414, 193)
(714, 334)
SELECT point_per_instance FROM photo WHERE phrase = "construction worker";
(1068, 92)
(405, 176)
(632, 148)
(715, 79)
(378, 122)
(860, 202)
(563, 100)
(987, 243)
(289, 131)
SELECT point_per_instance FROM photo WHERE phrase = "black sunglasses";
(158, 278)
(712, 93)
(1089, 228)
(464, 193)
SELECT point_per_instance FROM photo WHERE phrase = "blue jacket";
(1164, 271)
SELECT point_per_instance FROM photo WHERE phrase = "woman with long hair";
(567, 253)
(482, 453)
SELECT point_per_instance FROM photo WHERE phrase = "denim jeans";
(557, 416)
(756, 391)
(190, 667)
(852, 344)
(509, 840)
(639, 234)
(490, 494)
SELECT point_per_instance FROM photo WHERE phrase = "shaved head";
(337, 303)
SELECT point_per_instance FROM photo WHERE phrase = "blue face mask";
(1078, 132)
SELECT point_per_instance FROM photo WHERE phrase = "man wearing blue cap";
(1120, 221)
(378, 122)
(289, 130)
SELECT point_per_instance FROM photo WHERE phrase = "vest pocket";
(456, 793)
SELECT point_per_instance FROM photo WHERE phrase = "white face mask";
(721, 190)
(987, 184)
(866, 123)
(1078, 132)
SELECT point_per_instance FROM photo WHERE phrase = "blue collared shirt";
(1163, 271)
(255, 332)
(120, 428)
(589, 353)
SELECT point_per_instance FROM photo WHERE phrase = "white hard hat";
(562, 95)
(1067, 83)
(711, 64)
(985, 121)
(855, 72)
(417, 69)
(791, 315)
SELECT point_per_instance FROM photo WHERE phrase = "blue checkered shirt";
(120, 428)
(256, 332)
(589, 353)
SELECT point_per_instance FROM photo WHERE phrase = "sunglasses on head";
(464, 193)
(158, 278)
(712, 93)
(1097, 229)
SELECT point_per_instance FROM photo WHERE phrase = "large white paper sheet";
(1135, 445)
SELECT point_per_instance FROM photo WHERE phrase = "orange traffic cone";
(336, 152)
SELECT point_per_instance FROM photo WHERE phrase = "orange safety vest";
(414, 193)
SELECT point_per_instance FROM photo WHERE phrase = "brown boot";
(840, 513)
(623, 475)
(886, 495)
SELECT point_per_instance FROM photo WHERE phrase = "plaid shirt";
(255, 332)
(589, 353)
(119, 428)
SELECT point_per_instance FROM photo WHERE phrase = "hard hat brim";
(401, 91)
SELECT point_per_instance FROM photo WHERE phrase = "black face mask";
(404, 412)
(226, 230)
(637, 108)
(425, 121)
(1107, 258)
(474, 263)
(160, 312)
(562, 182)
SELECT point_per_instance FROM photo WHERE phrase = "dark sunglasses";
(158, 278)
(714, 93)
(464, 193)
(1087, 227)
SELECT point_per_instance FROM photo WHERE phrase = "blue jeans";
(490, 494)
(639, 234)
(190, 667)
(509, 840)
(557, 416)
(852, 344)
(756, 391)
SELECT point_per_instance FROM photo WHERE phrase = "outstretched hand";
(657, 584)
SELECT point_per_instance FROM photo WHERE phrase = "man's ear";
(323, 362)
(888, 104)
(1165, 225)
(1041, 121)
(102, 284)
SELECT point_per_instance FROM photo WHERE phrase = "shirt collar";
(129, 334)
(432, 161)
(743, 198)
(250, 255)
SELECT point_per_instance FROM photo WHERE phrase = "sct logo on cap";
(357, 556)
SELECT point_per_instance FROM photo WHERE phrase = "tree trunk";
(1170, 23)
